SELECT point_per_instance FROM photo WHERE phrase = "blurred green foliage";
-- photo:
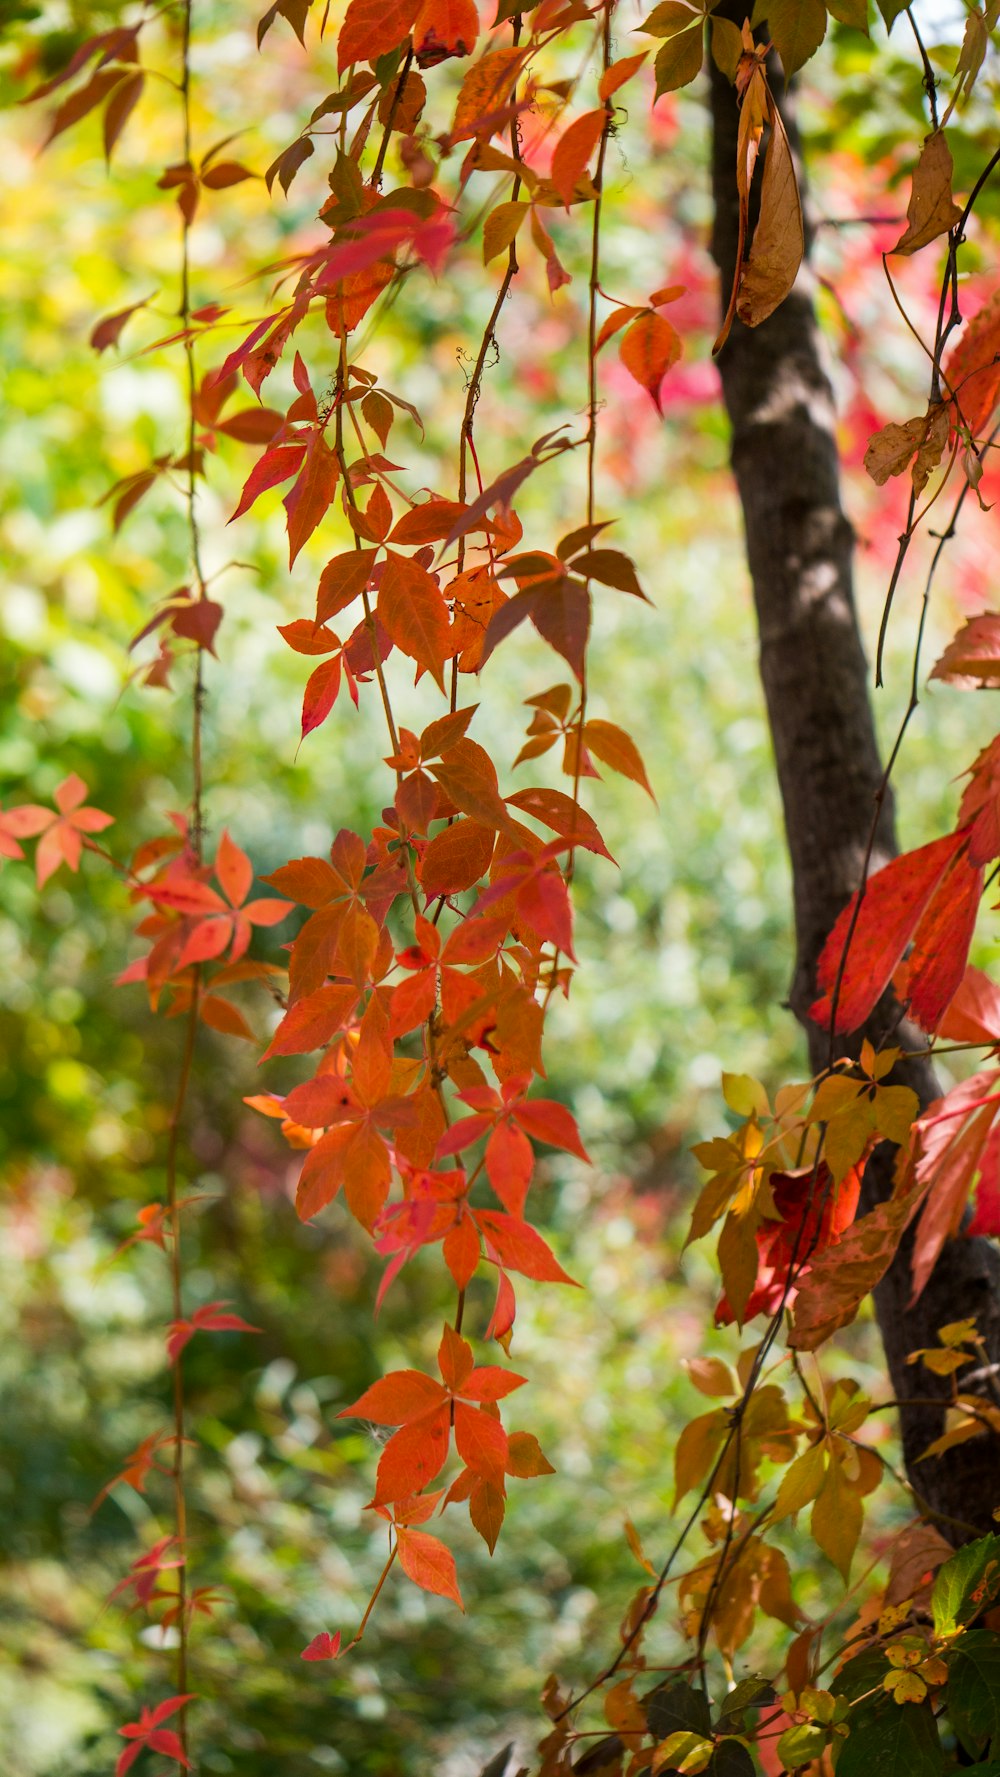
(685, 956)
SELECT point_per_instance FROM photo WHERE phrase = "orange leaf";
(617, 749)
(371, 28)
(973, 370)
(486, 92)
(520, 1248)
(425, 1560)
(342, 581)
(413, 610)
(616, 76)
(444, 28)
(413, 1456)
(367, 1174)
(573, 151)
(649, 349)
(457, 859)
(398, 1399)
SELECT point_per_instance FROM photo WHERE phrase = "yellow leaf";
(836, 1520)
(738, 1258)
(684, 1751)
(905, 1687)
(696, 1450)
(800, 1483)
(501, 226)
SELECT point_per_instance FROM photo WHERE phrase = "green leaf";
(677, 1707)
(800, 1744)
(850, 12)
(900, 1740)
(750, 1693)
(966, 1584)
(679, 61)
(890, 10)
(798, 28)
(974, 1689)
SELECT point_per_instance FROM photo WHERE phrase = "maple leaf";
(63, 830)
(148, 1733)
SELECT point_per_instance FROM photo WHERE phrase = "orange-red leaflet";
(323, 1646)
(649, 349)
(148, 1732)
(422, 1408)
(895, 901)
(573, 151)
(62, 829)
(209, 1319)
(428, 1563)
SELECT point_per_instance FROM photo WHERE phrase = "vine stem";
(176, 1279)
(197, 840)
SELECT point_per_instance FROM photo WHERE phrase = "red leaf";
(551, 1123)
(273, 467)
(425, 1560)
(310, 881)
(461, 1250)
(980, 805)
(312, 494)
(367, 1175)
(972, 657)
(986, 1217)
(107, 331)
(510, 1163)
(323, 1646)
(936, 964)
(323, 1173)
(894, 900)
(949, 1142)
(491, 1383)
(563, 815)
(973, 368)
(974, 1013)
(320, 694)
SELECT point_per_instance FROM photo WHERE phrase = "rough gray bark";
(815, 679)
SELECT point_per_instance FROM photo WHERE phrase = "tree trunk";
(815, 679)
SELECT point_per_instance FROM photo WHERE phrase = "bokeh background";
(685, 947)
